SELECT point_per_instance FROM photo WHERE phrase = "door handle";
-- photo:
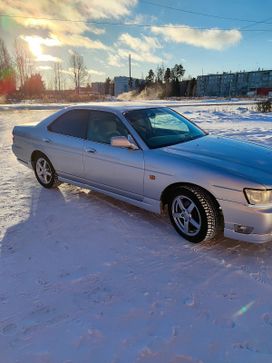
(90, 150)
(47, 140)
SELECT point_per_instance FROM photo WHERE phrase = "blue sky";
(219, 45)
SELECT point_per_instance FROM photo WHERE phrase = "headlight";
(255, 196)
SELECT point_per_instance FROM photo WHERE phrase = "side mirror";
(122, 141)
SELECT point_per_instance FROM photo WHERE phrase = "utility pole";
(129, 72)
(129, 65)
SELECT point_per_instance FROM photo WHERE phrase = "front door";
(115, 169)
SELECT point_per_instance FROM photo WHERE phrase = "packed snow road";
(87, 279)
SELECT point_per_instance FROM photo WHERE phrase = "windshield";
(160, 127)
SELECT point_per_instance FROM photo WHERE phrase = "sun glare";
(35, 46)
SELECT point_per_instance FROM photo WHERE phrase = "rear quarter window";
(71, 123)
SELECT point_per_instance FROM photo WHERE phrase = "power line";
(131, 24)
(256, 23)
(205, 14)
(246, 28)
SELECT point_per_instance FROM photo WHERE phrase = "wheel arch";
(165, 195)
(34, 156)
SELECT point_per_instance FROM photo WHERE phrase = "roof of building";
(234, 73)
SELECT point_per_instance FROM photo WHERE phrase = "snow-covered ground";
(33, 105)
(87, 279)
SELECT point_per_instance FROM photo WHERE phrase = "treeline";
(166, 82)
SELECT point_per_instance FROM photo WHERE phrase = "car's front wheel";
(45, 172)
(194, 214)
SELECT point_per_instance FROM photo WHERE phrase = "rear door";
(64, 142)
(115, 169)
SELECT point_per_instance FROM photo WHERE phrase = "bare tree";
(64, 80)
(5, 60)
(7, 72)
(23, 61)
(80, 74)
(57, 76)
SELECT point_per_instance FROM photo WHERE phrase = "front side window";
(160, 127)
(72, 123)
(102, 126)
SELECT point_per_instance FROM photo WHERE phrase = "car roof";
(111, 107)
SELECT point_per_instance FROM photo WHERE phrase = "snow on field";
(186, 102)
(87, 279)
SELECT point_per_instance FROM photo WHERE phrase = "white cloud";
(96, 30)
(91, 72)
(95, 72)
(67, 71)
(141, 49)
(47, 58)
(44, 68)
(147, 57)
(77, 40)
(72, 33)
(142, 19)
(115, 60)
(35, 40)
(120, 58)
(144, 44)
(210, 39)
(102, 9)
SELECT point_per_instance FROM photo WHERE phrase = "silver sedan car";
(156, 159)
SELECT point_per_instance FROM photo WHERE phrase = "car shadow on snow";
(69, 213)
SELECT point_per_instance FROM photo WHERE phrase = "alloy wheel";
(186, 215)
(44, 171)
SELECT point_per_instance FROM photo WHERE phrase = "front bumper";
(252, 237)
(259, 218)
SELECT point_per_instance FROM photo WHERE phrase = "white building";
(235, 84)
(121, 84)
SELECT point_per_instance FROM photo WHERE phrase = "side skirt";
(151, 205)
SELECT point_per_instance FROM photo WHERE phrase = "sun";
(34, 44)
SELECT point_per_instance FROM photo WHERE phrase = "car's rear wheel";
(45, 172)
(194, 214)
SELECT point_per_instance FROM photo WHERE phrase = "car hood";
(246, 159)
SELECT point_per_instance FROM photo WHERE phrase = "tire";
(45, 172)
(194, 214)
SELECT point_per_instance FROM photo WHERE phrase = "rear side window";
(72, 123)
